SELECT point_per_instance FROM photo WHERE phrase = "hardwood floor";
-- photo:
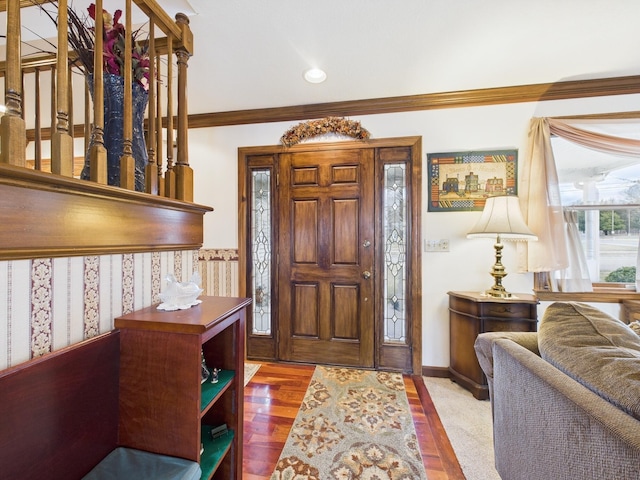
(271, 402)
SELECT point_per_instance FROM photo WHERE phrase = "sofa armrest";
(547, 425)
(484, 350)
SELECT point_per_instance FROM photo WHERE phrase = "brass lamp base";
(498, 273)
(497, 292)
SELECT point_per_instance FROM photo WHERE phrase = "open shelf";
(211, 391)
(214, 450)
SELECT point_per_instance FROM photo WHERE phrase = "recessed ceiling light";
(315, 75)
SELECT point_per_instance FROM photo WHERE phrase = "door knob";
(366, 243)
(366, 274)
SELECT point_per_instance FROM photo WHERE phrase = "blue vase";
(114, 128)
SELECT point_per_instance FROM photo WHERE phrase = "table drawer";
(507, 325)
(506, 310)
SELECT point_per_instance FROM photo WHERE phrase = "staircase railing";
(24, 137)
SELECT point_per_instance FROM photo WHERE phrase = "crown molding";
(430, 101)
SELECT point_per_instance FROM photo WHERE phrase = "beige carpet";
(250, 370)
(352, 424)
(467, 422)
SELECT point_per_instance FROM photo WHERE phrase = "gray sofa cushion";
(128, 463)
(595, 349)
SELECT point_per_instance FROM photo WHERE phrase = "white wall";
(213, 156)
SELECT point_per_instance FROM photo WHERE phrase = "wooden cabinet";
(470, 314)
(164, 407)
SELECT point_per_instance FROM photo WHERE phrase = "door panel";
(327, 242)
(305, 236)
(345, 312)
(305, 310)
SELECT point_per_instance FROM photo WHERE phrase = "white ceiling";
(252, 53)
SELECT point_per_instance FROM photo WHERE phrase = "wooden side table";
(472, 313)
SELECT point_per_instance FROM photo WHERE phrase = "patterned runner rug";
(352, 424)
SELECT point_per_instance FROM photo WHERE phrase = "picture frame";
(462, 181)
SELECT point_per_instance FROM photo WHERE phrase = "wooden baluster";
(151, 170)
(184, 173)
(38, 125)
(170, 175)
(52, 96)
(87, 117)
(61, 141)
(13, 131)
(24, 97)
(127, 162)
(159, 137)
(70, 97)
(98, 153)
(72, 132)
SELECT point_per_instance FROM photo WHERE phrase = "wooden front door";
(326, 257)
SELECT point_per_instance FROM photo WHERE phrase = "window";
(603, 191)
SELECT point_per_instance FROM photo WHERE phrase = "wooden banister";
(48, 214)
(163, 21)
(177, 46)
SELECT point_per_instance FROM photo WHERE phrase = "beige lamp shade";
(502, 217)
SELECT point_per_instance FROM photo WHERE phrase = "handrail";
(149, 7)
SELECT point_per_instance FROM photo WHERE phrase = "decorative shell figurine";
(180, 295)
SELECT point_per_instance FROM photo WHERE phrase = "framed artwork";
(462, 181)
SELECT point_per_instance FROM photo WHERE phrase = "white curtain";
(574, 278)
(540, 203)
(540, 195)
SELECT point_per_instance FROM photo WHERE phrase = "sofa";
(566, 399)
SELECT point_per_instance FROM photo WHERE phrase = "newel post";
(13, 131)
(184, 173)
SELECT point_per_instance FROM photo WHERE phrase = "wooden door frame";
(267, 157)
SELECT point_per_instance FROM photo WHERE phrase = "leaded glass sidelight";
(261, 250)
(395, 232)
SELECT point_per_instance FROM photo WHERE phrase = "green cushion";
(595, 349)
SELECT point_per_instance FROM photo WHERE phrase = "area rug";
(250, 370)
(352, 424)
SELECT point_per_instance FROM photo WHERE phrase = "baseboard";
(440, 372)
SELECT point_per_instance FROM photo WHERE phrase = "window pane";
(261, 250)
(395, 235)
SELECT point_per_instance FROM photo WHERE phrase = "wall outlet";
(441, 245)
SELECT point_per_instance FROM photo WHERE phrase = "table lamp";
(502, 219)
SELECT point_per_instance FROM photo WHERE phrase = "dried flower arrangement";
(313, 128)
(81, 35)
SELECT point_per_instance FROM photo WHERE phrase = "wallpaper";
(49, 303)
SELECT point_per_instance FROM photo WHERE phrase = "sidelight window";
(261, 250)
(395, 234)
